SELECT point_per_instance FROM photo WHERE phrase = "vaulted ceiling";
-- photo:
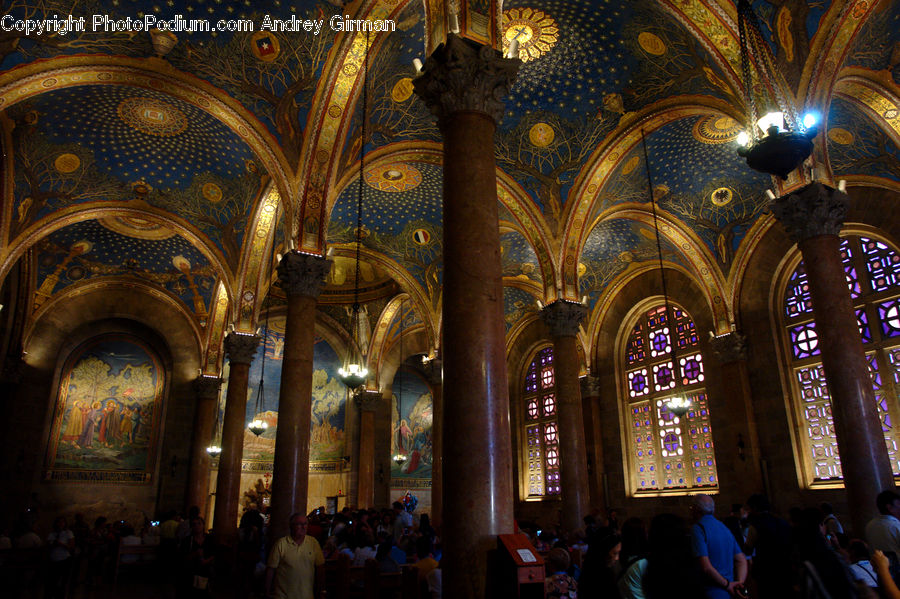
(176, 173)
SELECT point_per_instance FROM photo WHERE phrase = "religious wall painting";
(108, 412)
(329, 401)
(412, 414)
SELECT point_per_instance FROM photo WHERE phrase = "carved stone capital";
(368, 400)
(590, 386)
(563, 318)
(729, 347)
(207, 387)
(462, 75)
(812, 210)
(302, 274)
(434, 372)
(241, 347)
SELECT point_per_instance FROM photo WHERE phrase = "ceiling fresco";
(616, 245)
(125, 247)
(857, 146)
(117, 143)
(119, 180)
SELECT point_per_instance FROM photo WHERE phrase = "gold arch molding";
(33, 79)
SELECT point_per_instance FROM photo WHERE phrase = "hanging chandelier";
(399, 457)
(258, 426)
(354, 374)
(214, 449)
(778, 142)
(678, 405)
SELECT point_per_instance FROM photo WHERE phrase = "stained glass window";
(667, 452)
(872, 270)
(541, 430)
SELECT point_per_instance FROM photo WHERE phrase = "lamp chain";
(354, 319)
(670, 316)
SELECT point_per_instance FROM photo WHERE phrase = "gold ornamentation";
(152, 116)
(396, 177)
(721, 196)
(402, 90)
(67, 163)
(212, 193)
(631, 164)
(137, 227)
(535, 31)
(541, 135)
(716, 129)
(264, 46)
(651, 43)
(840, 136)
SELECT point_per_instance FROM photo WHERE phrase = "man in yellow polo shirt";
(296, 564)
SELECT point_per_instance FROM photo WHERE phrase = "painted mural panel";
(108, 411)
(329, 401)
(412, 413)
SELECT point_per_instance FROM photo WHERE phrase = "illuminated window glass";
(872, 273)
(541, 429)
(667, 452)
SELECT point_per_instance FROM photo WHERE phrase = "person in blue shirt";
(717, 551)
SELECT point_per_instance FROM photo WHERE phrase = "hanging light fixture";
(214, 449)
(258, 426)
(354, 373)
(779, 141)
(678, 405)
(399, 457)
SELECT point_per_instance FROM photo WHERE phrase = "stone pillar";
(302, 277)
(563, 319)
(813, 216)
(207, 389)
(435, 374)
(367, 401)
(240, 348)
(593, 440)
(737, 441)
(463, 83)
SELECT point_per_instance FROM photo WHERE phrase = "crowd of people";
(76, 556)
(751, 552)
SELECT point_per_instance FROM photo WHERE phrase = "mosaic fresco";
(856, 145)
(517, 304)
(875, 46)
(518, 258)
(125, 247)
(329, 400)
(412, 414)
(108, 412)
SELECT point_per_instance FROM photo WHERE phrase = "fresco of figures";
(106, 418)
(329, 401)
(412, 413)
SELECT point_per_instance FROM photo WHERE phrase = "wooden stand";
(520, 569)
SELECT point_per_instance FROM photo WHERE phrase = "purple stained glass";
(691, 369)
(849, 269)
(804, 340)
(671, 442)
(863, 322)
(882, 264)
(659, 340)
(638, 383)
(635, 351)
(889, 315)
(797, 299)
(663, 374)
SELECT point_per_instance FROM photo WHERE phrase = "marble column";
(302, 277)
(813, 216)
(737, 439)
(207, 389)
(463, 85)
(435, 375)
(240, 348)
(593, 440)
(563, 319)
(367, 402)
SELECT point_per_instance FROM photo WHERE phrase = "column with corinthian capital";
(207, 390)
(813, 217)
(463, 85)
(240, 348)
(563, 319)
(593, 440)
(302, 277)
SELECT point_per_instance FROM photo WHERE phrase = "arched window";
(872, 270)
(541, 429)
(666, 453)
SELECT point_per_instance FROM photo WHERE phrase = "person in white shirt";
(883, 531)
